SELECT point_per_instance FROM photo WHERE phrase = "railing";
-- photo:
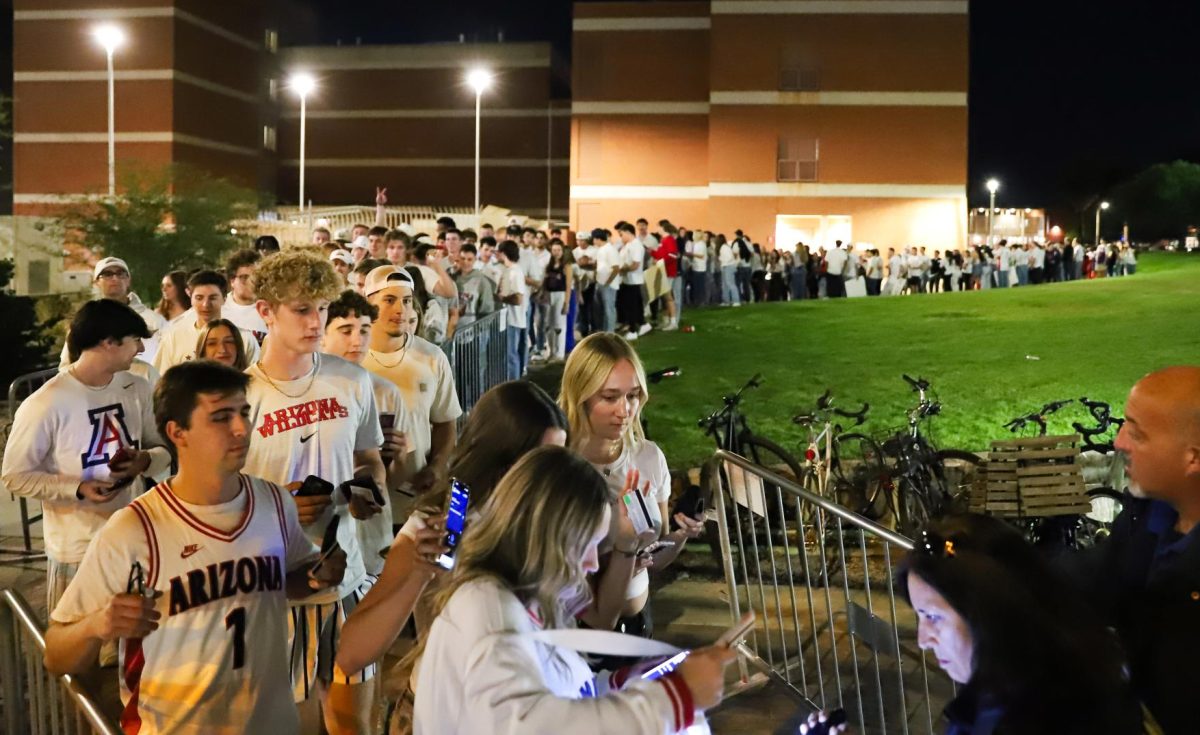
(477, 354)
(821, 581)
(34, 700)
(19, 390)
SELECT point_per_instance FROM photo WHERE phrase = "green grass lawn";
(1093, 338)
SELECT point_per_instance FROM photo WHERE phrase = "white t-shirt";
(700, 250)
(313, 426)
(1003, 258)
(633, 254)
(218, 661)
(425, 379)
(651, 465)
(512, 281)
(835, 261)
(483, 674)
(65, 433)
(585, 275)
(875, 267)
(726, 257)
(245, 317)
(179, 345)
(608, 259)
(916, 265)
(1039, 258)
(896, 266)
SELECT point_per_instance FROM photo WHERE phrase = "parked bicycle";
(924, 482)
(1070, 531)
(1106, 492)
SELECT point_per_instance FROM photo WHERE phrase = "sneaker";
(644, 329)
(671, 326)
(630, 336)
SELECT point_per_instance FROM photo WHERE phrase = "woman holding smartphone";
(603, 392)
(509, 421)
(523, 569)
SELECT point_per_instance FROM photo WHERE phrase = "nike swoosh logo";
(306, 438)
(189, 550)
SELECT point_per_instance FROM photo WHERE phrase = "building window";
(797, 159)
(269, 137)
(271, 40)
(273, 89)
(799, 79)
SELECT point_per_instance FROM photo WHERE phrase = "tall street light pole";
(992, 186)
(302, 84)
(110, 37)
(479, 80)
(1100, 208)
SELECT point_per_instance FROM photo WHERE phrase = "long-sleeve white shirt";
(481, 674)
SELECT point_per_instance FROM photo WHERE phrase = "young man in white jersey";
(79, 443)
(348, 336)
(422, 373)
(193, 577)
(315, 414)
(241, 307)
(207, 290)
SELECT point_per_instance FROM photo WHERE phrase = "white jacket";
(481, 674)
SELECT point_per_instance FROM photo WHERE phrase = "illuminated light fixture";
(110, 37)
(479, 80)
(993, 185)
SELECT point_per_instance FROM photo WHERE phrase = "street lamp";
(1103, 206)
(479, 80)
(993, 186)
(302, 84)
(110, 37)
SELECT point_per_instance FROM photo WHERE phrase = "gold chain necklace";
(307, 388)
(403, 354)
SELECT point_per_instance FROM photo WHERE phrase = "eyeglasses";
(112, 274)
(935, 545)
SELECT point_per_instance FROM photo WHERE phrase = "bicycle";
(1107, 496)
(922, 481)
(1062, 531)
(730, 430)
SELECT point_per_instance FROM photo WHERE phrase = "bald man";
(1145, 579)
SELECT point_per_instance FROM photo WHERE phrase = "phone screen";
(665, 667)
(456, 521)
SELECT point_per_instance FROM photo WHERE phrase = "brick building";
(794, 120)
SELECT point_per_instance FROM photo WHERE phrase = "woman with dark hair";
(1028, 655)
(745, 268)
(175, 299)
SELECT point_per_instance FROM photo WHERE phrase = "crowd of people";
(249, 500)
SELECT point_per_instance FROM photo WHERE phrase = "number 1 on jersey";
(237, 621)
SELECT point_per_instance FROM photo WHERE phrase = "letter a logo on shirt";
(109, 434)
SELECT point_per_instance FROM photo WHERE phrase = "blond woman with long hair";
(603, 391)
(521, 568)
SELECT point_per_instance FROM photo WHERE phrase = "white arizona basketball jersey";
(218, 662)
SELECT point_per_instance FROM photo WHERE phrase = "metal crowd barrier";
(19, 390)
(32, 700)
(839, 635)
(477, 354)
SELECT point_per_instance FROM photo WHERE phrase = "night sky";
(1067, 97)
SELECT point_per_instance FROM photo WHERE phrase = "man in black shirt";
(1145, 579)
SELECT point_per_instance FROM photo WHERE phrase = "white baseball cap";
(386, 276)
(360, 242)
(343, 256)
(108, 263)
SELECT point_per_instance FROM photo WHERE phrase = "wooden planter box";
(1030, 478)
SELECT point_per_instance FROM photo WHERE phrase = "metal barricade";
(820, 579)
(19, 390)
(34, 700)
(477, 354)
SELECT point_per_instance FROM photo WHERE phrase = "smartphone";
(387, 421)
(122, 455)
(329, 544)
(656, 547)
(364, 486)
(690, 503)
(314, 485)
(832, 720)
(639, 514)
(738, 631)
(665, 667)
(456, 521)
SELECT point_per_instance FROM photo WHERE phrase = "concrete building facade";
(794, 120)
